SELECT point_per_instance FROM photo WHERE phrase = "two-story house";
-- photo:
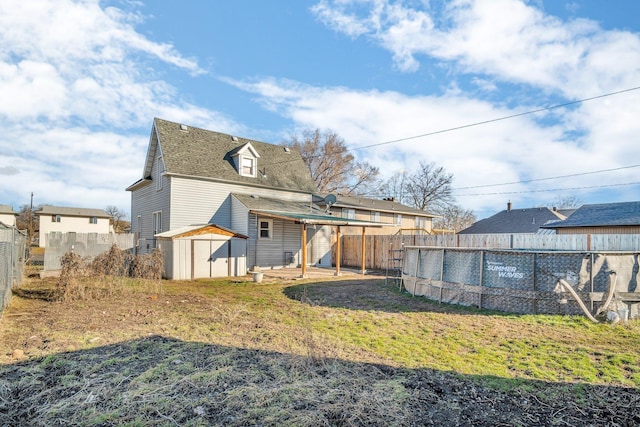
(207, 196)
(58, 219)
(396, 217)
(8, 215)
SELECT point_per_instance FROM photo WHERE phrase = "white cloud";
(69, 70)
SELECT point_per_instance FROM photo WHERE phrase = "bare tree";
(332, 168)
(429, 187)
(566, 202)
(27, 220)
(453, 217)
(395, 188)
(117, 218)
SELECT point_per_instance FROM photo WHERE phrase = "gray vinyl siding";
(146, 200)
(196, 201)
(239, 217)
(270, 253)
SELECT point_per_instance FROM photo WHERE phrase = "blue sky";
(81, 82)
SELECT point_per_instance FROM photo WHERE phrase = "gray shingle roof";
(514, 221)
(603, 215)
(207, 154)
(7, 209)
(68, 211)
(365, 203)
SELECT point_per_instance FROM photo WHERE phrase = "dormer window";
(245, 159)
(248, 166)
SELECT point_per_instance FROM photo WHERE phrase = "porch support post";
(304, 250)
(338, 251)
(363, 247)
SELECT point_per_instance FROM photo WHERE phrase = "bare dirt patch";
(230, 354)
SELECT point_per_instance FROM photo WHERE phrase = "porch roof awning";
(315, 219)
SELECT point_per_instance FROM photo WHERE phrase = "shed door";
(210, 258)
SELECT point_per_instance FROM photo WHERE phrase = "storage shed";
(203, 251)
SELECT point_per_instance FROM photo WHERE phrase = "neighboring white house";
(261, 191)
(57, 219)
(7, 215)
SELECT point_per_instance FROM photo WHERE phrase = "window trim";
(269, 228)
(350, 213)
(397, 219)
(252, 169)
(93, 220)
(157, 222)
(56, 218)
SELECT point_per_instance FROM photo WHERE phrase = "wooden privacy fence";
(378, 249)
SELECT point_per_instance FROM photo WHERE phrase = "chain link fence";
(12, 260)
(83, 244)
(526, 282)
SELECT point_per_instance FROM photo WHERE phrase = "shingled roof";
(514, 221)
(603, 215)
(369, 204)
(194, 152)
(70, 211)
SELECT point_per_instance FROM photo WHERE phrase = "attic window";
(234, 138)
(184, 128)
(248, 166)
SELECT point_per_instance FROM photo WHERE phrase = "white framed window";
(159, 172)
(375, 216)
(265, 228)
(348, 213)
(157, 222)
(93, 220)
(420, 222)
(247, 166)
(56, 218)
(398, 219)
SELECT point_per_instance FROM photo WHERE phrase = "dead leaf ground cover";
(341, 352)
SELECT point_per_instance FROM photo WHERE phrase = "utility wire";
(546, 179)
(550, 190)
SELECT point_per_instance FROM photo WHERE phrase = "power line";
(484, 122)
(550, 190)
(546, 179)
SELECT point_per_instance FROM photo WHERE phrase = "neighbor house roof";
(68, 211)
(377, 205)
(301, 212)
(514, 221)
(194, 152)
(8, 209)
(603, 215)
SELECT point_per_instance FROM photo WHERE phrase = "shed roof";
(200, 229)
(194, 152)
(602, 215)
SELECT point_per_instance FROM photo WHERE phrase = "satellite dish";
(330, 199)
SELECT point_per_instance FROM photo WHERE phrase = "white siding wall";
(8, 219)
(70, 224)
(269, 253)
